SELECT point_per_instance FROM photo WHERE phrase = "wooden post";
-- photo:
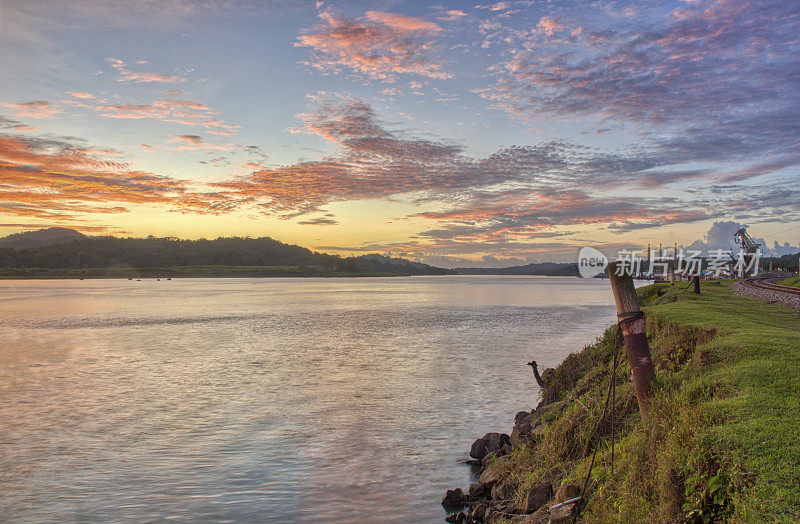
(632, 325)
(696, 283)
(674, 262)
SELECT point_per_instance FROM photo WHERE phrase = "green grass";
(791, 281)
(722, 442)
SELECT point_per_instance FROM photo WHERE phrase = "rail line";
(774, 287)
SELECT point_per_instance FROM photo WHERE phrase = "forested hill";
(545, 268)
(55, 252)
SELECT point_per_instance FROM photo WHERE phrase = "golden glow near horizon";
(348, 129)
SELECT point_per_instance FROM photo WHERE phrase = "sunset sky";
(451, 133)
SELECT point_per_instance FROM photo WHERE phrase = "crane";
(749, 246)
(742, 238)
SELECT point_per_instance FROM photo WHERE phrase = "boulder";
(520, 434)
(479, 511)
(454, 499)
(563, 514)
(477, 491)
(504, 489)
(457, 518)
(487, 460)
(490, 477)
(567, 491)
(522, 416)
(537, 497)
(489, 443)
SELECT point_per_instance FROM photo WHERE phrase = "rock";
(473, 462)
(540, 516)
(490, 442)
(477, 491)
(485, 461)
(521, 417)
(454, 499)
(563, 514)
(504, 490)
(520, 434)
(455, 517)
(490, 477)
(479, 511)
(537, 497)
(567, 491)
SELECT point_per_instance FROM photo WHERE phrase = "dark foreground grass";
(722, 442)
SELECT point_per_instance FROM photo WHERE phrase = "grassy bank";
(791, 281)
(723, 439)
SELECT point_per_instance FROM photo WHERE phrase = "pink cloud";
(382, 48)
(498, 6)
(34, 109)
(549, 25)
(179, 111)
(452, 14)
(195, 143)
(82, 95)
(402, 22)
(126, 75)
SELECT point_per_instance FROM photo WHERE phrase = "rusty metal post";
(696, 283)
(637, 348)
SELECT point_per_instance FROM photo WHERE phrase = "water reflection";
(273, 400)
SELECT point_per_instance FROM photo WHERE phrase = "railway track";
(752, 282)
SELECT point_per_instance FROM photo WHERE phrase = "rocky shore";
(704, 453)
(497, 497)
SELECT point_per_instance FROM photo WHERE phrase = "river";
(268, 400)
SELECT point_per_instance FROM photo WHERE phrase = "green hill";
(59, 252)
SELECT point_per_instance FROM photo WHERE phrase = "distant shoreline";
(175, 273)
(173, 276)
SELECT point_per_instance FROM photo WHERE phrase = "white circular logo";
(591, 262)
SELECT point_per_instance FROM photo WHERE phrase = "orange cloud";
(54, 178)
(82, 95)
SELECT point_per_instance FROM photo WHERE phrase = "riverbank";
(722, 441)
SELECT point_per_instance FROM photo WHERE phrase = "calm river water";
(268, 400)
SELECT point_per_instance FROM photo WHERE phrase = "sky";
(451, 133)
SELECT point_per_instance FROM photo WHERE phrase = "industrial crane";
(749, 246)
(742, 238)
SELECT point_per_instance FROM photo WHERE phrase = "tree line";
(151, 252)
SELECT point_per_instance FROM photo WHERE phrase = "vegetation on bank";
(60, 252)
(722, 442)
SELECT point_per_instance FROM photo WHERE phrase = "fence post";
(696, 283)
(632, 324)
